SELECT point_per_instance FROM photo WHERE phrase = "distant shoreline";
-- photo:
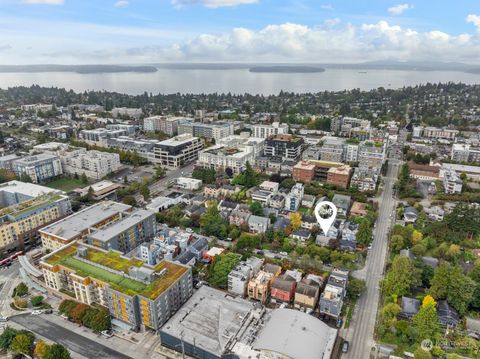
(79, 69)
(286, 69)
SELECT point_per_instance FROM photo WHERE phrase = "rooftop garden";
(29, 205)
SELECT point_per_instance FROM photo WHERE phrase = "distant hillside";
(287, 69)
(81, 69)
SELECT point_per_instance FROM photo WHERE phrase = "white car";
(3, 319)
(37, 312)
(107, 333)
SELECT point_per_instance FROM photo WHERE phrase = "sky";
(311, 31)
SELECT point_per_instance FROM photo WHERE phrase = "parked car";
(64, 316)
(107, 333)
(345, 346)
(3, 319)
(48, 311)
(36, 312)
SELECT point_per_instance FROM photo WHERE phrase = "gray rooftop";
(76, 223)
(297, 335)
(127, 222)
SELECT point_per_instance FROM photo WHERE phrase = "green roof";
(114, 260)
(30, 205)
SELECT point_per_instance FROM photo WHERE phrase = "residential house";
(410, 215)
(276, 201)
(283, 289)
(227, 206)
(211, 190)
(240, 276)
(257, 224)
(307, 292)
(238, 217)
(447, 316)
(259, 286)
(308, 200)
(331, 301)
(409, 306)
(342, 202)
(308, 222)
(302, 235)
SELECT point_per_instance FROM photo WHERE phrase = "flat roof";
(76, 223)
(114, 260)
(209, 319)
(296, 335)
(26, 189)
(178, 140)
(122, 225)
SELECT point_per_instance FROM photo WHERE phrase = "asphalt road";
(360, 332)
(71, 340)
(162, 184)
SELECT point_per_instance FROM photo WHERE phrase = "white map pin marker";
(326, 212)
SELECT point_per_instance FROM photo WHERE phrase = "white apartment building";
(223, 157)
(435, 132)
(465, 153)
(40, 168)
(177, 151)
(189, 183)
(265, 131)
(100, 136)
(239, 277)
(452, 182)
(94, 164)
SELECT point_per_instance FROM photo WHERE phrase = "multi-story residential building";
(259, 286)
(100, 136)
(6, 162)
(266, 130)
(165, 124)
(226, 158)
(127, 111)
(452, 182)
(26, 207)
(40, 168)
(331, 300)
(239, 277)
(129, 129)
(440, 133)
(94, 164)
(215, 130)
(371, 154)
(285, 146)
(282, 289)
(339, 176)
(177, 151)
(350, 152)
(93, 219)
(144, 148)
(364, 180)
(136, 294)
(294, 198)
(462, 153)
(307, 292)
(332, 149)
(304, 171)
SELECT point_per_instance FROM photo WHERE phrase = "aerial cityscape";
(239, 179)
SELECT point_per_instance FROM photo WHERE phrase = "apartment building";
(304, 172)
(165, 124)
(226, 158)
(6, 162)
(214, 130)
(100, 136)
(266, 130)
(81, 224)
(452, 182)
(462, 153)
(129, 129)
(364, 180)
(440, 133)
(332, 149)
(294, 199)
(26, 207)
(371, 154)
(177, 151)
(94, 164)
(144, 148)
(339, 176)
(285, 146)
(331, 300)
(239, 277)
(137, 294)
(259, 286)
(40, 168)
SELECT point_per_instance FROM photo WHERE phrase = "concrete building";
(211, 131)
(239, 277)
(339, 176)
(144, 148)
(138, 295)
(364, 179)
(190, 184)
(331, 300)
(285, 146)
(225, 158)
(40, 168)
(100, 190)
(452, 183)
(259, 286)
(80, 225)
(332, 149)
(371, 154)
(462, 153)
(440, 133)
(304, 172)
(266, 130)
(100, 136)
(177, 151)
(423, 172)
(129, 129)
(94, 164)
(294, 198)
(6, 162)
(26, 207)
(165, 124)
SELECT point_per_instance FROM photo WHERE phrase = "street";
(360, 332)
(40, 325)
(160, 185)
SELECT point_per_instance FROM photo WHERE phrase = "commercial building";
(144, 148)
(304, 171)
(462, 153)
(93, 219)
(440, 133)
(165, 124)
(94, 164)
(137, 295)
(339, 176)
(100, 190)
(266, 130)
(40, 168)
(423, 172)
(26, 207)
(285, 146)
(177, 151)
(191, 184)
(100, 136)
(214, 325)
(452, 183)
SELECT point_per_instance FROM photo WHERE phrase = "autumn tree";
(295, 220)
(40, 348)
(401, 277)
(22, 343)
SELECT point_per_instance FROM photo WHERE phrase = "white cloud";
(399, 9)
(44, 2)
(474, 19)
(212, 3)
(326, 7)
(121, 3)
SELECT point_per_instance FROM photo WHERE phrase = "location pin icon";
(325, 212)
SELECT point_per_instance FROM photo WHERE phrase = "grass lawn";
(66, 184)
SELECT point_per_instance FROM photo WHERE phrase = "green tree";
(37, 300)
(212, 223)
(397, 243)
(450, 283)
(401, 277)
(221, 266)
(130, 200)
(22, 344)
(256, 208)
(84, 178)
(24, 177)
(426, 320)
(422, 354)
(388, 315)
(355, 288)
(145, 191)
(20, 290)
(57, 351)
(248, 178)
(40, 348)
(364, 234)
(6, 338)
(207, 176)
